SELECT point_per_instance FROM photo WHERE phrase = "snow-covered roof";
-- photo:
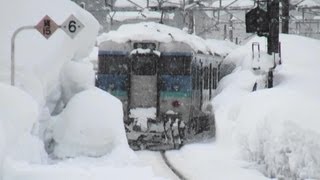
(135, 15)
(143, 3)
(309, 3)
(234, 3)
(151, 31)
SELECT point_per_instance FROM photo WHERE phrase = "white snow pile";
(38, 60)
(91, 125)
(141, 116)
(75, 77)
(18, 115)
(221, 47)
(278, 128)
(54, 101)
(154, 32)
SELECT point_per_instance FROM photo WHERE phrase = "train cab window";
(175, 65)
(144, 65)
(113, 64)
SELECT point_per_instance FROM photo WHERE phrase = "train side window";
(206, 78)
(210, 77)
(198, 78)
(194, 76)
(214, 79)
(175, 65)
(210, 81)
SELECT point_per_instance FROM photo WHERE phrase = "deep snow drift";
(275, 130)
(90, 125)
(51, 75)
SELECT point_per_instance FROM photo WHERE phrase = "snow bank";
(221, 47)
(76, 77)
(91, 124)
(154, 32)
(275, 128)
(18, 114)
(207, 161)
(38, 60)
(83, 168)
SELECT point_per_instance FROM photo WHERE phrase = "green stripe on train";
(175, 94)
(162, 94)
(119, 93)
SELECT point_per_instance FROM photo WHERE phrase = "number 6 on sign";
(72, 26)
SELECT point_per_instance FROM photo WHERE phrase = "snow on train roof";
(151, 31)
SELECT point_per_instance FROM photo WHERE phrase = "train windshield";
(113, 64)
(175, 65)
(144, 65)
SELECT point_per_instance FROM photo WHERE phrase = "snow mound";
(76, 77)
(221, 47)
(18, 115)
(18, 112)
(154, 32)
(275, 128)
(141, 116)
(39, 60)
(90, 125)
(81, 168)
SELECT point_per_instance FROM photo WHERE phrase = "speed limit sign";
(72, 26)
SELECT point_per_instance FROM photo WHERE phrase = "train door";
(143, 81)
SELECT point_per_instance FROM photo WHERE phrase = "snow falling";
(55, 124)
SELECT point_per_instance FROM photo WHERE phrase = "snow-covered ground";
(275, 130)
(54, 112)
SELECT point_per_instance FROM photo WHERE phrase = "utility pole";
(190, 19)
(273, 36)
(285, 16)
(266, 23)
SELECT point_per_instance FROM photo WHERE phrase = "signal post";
(266, 23)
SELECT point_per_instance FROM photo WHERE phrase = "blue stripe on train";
(113, 53)
(177, 85)
(115, 84)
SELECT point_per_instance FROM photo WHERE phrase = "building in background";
(219, 19)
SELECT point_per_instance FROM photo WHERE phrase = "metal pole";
(273, 37)
(285, 16)
(13, 50)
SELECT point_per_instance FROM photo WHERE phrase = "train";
(165, 88)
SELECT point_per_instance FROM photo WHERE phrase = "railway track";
(173, 169)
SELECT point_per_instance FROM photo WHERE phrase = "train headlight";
(176, 103)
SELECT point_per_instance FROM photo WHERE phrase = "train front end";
(156, 89)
